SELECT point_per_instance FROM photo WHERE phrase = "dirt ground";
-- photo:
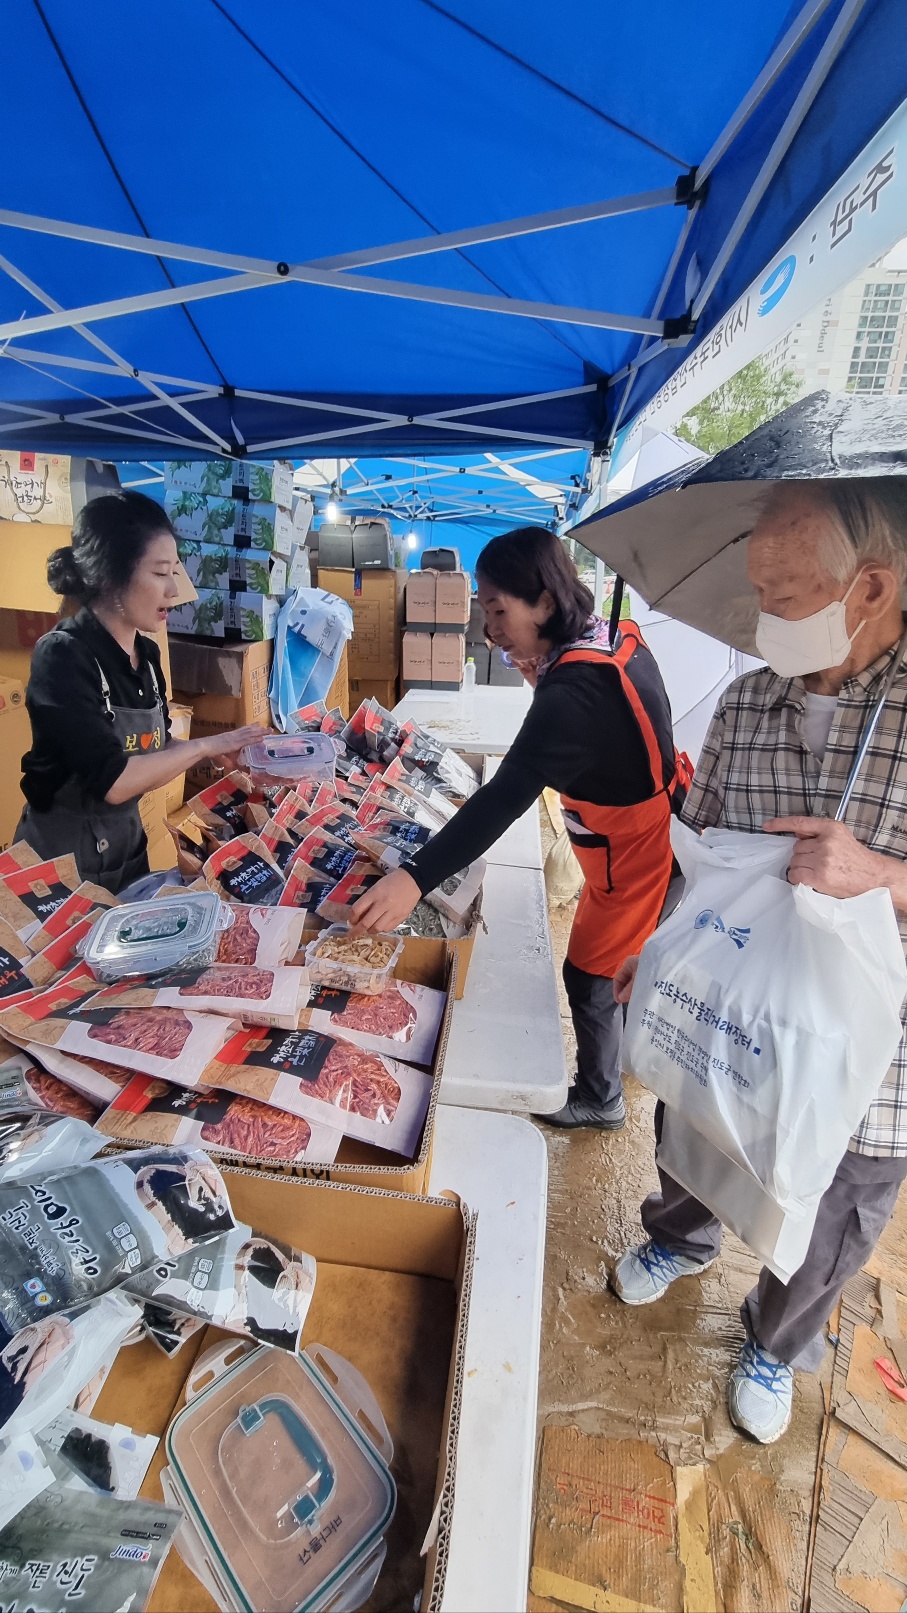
(657, 1373)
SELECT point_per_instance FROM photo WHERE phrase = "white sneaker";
(645, 1273)
(760, 1394)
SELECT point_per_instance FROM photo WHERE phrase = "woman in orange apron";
(598, 731)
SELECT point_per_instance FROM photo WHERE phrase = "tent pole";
(819, 71)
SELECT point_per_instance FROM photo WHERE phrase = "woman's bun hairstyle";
(109, 537)
(64, 576)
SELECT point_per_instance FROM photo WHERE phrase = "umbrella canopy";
(681, 540)
(337, 227)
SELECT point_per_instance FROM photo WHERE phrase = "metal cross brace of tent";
(242, 273)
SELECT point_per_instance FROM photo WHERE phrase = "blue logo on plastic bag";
(738, 934)
(773, 288)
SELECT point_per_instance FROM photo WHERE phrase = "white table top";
(520, 846)
(498, 1165)
(485, 721)
(506, 1050)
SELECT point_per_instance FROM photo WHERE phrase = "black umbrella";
(681, 540)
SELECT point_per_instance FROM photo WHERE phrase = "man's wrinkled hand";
(829, 858)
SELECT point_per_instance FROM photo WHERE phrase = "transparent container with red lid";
(281, 1465)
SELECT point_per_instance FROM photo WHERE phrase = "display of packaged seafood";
(223, 802)
(131, 1211)
(337, 905)
(335, 819)
(243, 870)
(28, 896)
(222, 1123)
(403, 1021)
(456, 897)
(168, 1042)
(375, 1099)
(263, 936)
(86, 901)
(304, 887)
(239, 990)
(14, 955)
(358, 963)
(326, 854)
(241, 1282)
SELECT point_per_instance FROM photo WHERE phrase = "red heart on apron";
(146, 740)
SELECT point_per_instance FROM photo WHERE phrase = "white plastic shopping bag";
(766, 1016)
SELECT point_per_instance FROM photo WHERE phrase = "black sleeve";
(579, 737)
(67, 708)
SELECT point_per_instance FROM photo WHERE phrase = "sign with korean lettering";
(859, 219)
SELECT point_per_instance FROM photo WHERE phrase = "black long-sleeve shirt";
(581, 738)
(72, 735)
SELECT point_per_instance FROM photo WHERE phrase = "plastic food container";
(368, 967)
(145, 938)
(281, 1465)
(290, 758)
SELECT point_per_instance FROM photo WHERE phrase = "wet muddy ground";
(656, 1372)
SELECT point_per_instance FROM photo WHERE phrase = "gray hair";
(867, 521)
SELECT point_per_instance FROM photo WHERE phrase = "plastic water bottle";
(469, 676)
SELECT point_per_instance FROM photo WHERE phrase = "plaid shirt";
(755, 765)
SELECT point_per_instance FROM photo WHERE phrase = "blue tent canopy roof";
(216, 187)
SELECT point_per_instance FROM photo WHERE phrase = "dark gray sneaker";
(578, 1112)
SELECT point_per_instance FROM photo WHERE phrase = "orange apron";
(623, 851)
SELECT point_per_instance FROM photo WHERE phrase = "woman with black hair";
(96, 695)
(598, 731)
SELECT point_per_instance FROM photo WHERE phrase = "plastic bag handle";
(352, 1390)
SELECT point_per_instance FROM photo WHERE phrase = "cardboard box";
(264, 526)
(206, 614)
(452, 602)
(406, 1265)
(264, 483)
(421, 587)
(416, 666)
(340, 692)
(153, 809)
(448, 658)
(50, 488)
(214, 477)
(198, 519)
(424, 952)
(441, 560)
(15, 740)
(225, 684)
(251, 616)
(207, 564)
(384, 690)
(376, 600)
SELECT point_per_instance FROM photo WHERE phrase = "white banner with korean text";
(859, 219)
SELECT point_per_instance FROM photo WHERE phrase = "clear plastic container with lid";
(146, 938)
(281, 1465)
(290, 758)
(361, 963)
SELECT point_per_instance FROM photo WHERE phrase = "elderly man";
(828, 561)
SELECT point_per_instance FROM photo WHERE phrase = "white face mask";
(813, 644)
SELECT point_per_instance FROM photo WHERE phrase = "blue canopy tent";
(294, 229)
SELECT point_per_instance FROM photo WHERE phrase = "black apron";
(107, 841)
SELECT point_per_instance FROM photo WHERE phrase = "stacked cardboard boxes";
(375, 596)
(239, 542)
(437, 620)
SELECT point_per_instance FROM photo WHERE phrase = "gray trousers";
(598, 1022)
(788, 1318)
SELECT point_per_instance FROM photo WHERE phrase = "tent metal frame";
(243, 273)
